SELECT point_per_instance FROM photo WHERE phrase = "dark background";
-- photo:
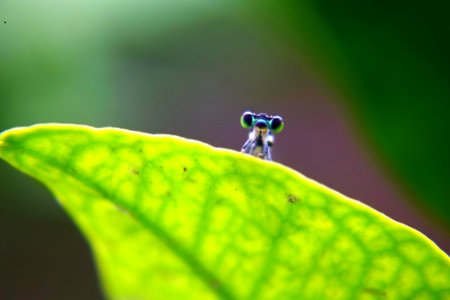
(363, 88)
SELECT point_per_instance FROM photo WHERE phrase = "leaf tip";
(2, 142)
(7, 138)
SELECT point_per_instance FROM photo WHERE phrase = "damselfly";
(260, 138)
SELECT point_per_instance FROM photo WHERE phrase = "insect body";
(260, 138)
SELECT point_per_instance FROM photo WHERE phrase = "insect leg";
(247, 147)
(270, 139)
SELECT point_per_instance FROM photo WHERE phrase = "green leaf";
(388, 69)
(170, 218)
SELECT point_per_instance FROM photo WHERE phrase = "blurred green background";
(363, 87)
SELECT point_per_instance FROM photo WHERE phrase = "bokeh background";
(363, 87)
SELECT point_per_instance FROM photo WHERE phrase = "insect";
(260, 138)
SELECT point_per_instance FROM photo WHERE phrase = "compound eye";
(276, 124)
(247, 119)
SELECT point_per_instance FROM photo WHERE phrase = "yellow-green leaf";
(171, 218)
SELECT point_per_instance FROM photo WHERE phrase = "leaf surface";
(389, 75)
(168, 217)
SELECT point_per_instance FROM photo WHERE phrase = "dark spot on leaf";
(4, 22)
(215, 284)
(291, 198)
(135, 171)
(140, 150)
(184, 169)
(122, 210)
(375, 292)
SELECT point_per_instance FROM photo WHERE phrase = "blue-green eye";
(247, 119)
(276, 124)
